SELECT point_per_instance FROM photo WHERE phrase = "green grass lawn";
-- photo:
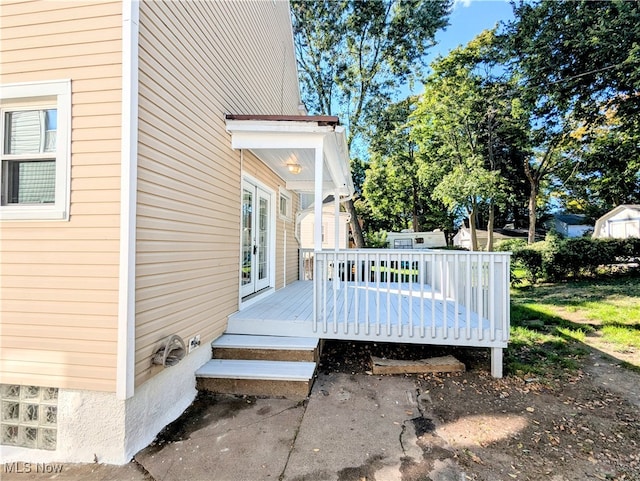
(553, 323)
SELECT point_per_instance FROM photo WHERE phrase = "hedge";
(556, 259)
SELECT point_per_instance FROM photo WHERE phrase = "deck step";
(268, 348)
(290, 379)
(249, 369)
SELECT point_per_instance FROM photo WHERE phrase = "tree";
(354, 54)
(466, 126)
(576, 62)
(579, 56)
(395, 194)
(604, 172)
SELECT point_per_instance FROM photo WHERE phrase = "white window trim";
(286, 194)
(12, 95)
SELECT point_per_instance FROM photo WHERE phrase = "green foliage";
(548, 352)
(622, 336)
(604, 171)
(353, 54)
(531, 260)
(511, 245)
(579, 68)
(562, 317)
(396, 196)
(376, 239)
(556, 259)
(579, 56)
(471, 135)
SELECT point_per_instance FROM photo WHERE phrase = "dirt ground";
(585, 426)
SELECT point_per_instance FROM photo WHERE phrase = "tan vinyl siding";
(198, 61)
(59, 282)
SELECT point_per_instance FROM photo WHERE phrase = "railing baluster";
(347, 280)
(356, 293)
(480, 307)
(468, 295)
(433, 299)
(445, 296)
(379, 287)
(410, 298)
(491, 291)
(456, 294)
(336, 280)
(399, 326)
(423, 272)
(316, 303)
(325, 276)
(377, 274)
(388, 277)
(367, 281)
(506, 297)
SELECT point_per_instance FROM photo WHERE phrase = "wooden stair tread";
(246, 341)
(258, 370)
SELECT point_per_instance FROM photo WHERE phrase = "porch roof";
(288, 145)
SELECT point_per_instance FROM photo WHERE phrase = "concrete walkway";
(352, 428)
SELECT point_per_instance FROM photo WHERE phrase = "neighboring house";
(133, 210)
(329, 226)
(416, 240)
(621, 222)
(571, 225)
(463, 237)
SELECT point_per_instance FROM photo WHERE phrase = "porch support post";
(337, 223)
(496, 362)
(318, 274)
(317, 206)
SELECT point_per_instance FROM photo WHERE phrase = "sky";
(468, 19)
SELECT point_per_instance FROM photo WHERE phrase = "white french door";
(256, 236)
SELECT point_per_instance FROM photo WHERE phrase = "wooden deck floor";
(411, 314)
(291, 303)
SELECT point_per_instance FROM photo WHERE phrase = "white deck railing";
(439, 297)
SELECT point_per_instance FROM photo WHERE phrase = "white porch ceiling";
(278, 141)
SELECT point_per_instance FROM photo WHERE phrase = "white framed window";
(36, 150)
(284, 204)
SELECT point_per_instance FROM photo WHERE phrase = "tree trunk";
(356, 230)
(414, 210)
(532, 212)
(472, 227)
(492, 215)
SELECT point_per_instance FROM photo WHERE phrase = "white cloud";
(461, 3)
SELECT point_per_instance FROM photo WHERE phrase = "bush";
(627, 250)
(529, 259)
(556, 259)
(376, 239)
(510, 245)
(581, 256)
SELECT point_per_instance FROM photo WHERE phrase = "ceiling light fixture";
(294, 167)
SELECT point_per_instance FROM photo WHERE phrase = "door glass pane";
(247, 235)
(263, 223)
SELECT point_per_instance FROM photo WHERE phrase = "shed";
(621, 222)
